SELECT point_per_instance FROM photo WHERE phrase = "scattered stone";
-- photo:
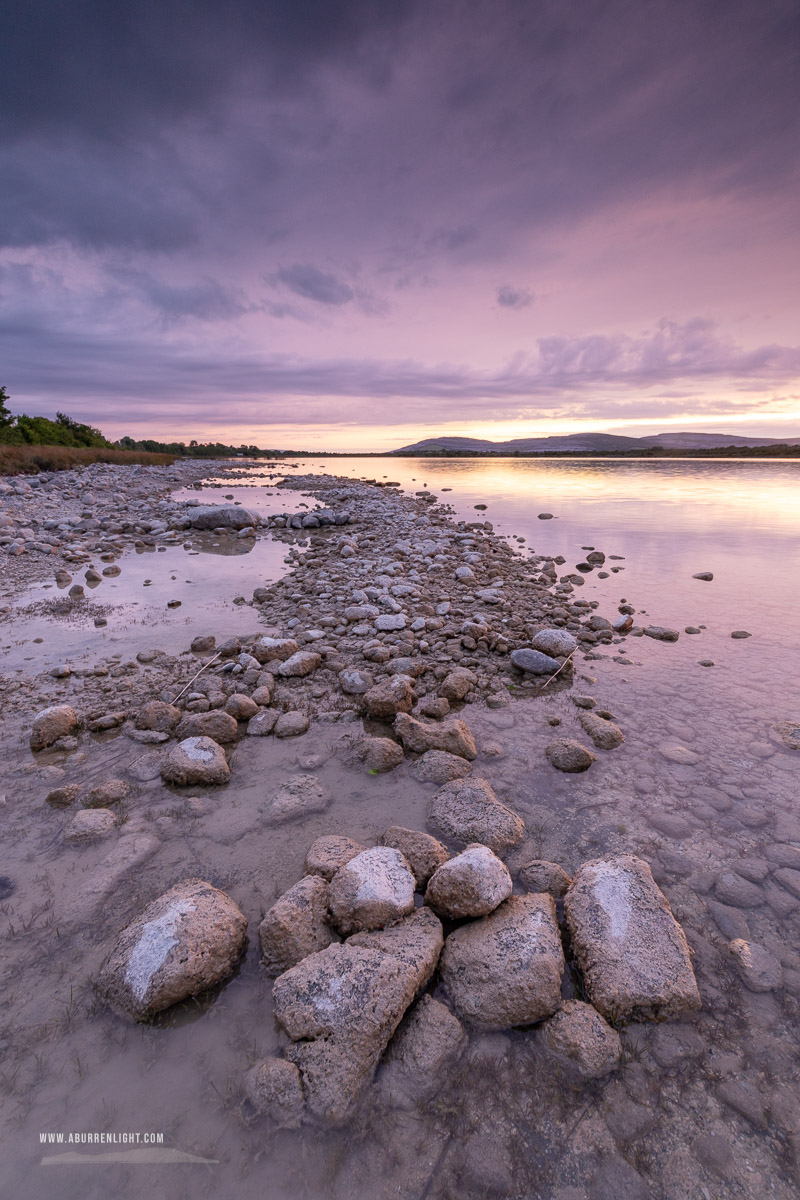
(732, 888)
(290, 724)
(605, 734)
(632, 952)
(157, 715)
(354, 682)
(472, 884)
(741, 633)
(437, 766)
(296, 925)
(216, 725)
(506, 969)
(270, 649)
(63, 797)
(422, 852)
(416, 940)
(183, 943)
(788, 878)
(760, 971)
(557, 643)
(583, 1044)
(454, 736)
(300, 664)
(112, 792)
(675, 752)
(661, 633)
(380, 754)
(275, 1090)
(534, 662)
(262, 723)
(203, 644)
(196, 760)
(543, 876)
(51, 724)
(241, 707)
(370, 890)
(786, 734)
(299, 796)
(428, 1042)
(706, 576)
(565, 754)
(90, 825)
(456, 685)
(330, 852)
(389, 697)
(226, 516)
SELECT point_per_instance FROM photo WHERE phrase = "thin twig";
(556, 674)
(199, 673)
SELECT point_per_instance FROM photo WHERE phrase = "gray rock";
(582, 1043)
(390, 622)
(340, 1007)
(195, 760)
(389, 697)
(605, 734)
(299, 796)
(422, 852)
(437, 766)
(299, 665)
(330, 852)
(354, 682)
(565, 754)
(632, 952)
(296, 925)
(183, 943)
(228, 516)
(428, 1042)
(51, 724)
(786, 734)
(534, 662)
(372, 889)
(220, 726)
(472, 884)
(759, 970)
(454, 736)
(506, 969)
(661, 633)
(539, 875)
(468, 811)
(291, 724)
(275, 1090)
(557, 643)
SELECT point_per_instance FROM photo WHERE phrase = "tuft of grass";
(29, 460)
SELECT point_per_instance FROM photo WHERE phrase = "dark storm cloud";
(511, 297)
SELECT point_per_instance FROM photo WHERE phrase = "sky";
(351, 224)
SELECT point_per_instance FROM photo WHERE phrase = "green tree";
(6, 418)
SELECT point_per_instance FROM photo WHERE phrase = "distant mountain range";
(593, 443)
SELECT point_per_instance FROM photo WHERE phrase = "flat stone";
(732, 888)
(731, 921)
(534, 662)
(454, 736)
(372, 889)
(467, 810)
(506, 969)
(565, 754)
(270, 649)
(183, 943)
(275, 1090)
(218, 725)
(788, 878)
(632, 952)
(583, 1044)
(296, 925)
(416, 940)
(195, 760)
(422, 852)
(472, 884)
(330, 852)
(437, 766)
(299, 796)
(675, 752)
(390, 622)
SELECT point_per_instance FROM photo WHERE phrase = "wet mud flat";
(702, 1105)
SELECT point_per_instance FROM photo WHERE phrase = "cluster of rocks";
(391, 952)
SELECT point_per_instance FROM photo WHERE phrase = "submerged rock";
(275, 1090)
(183, 943)
(582, 1043)
(297, 797)
(195, 760)
(759, 970)
(296, 925)
(429, 1041)
(372, 889)
(565, 754)
(90, 825)
(454, 737)
(467, 810)
(506, 969)
(472, 884)
(605, 734)
(380, 754)
(632, 952)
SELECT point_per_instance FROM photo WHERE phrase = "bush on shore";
(29, 460)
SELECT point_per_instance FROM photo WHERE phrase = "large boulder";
(467, 810)
(296, 925)
(218, 725)
(472, 884)
(429, 1041)
(195, 760)
(51, 724)
(452, 736)
(223, 516)
(583, 1045)
(372, 889)
(632, 952)
(422, 852)
(391, 696)
(416, 940)
(183, 943)
(340, 1007)
(506, 969)
(330, 852)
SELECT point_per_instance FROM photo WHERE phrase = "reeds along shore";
(28, 460)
